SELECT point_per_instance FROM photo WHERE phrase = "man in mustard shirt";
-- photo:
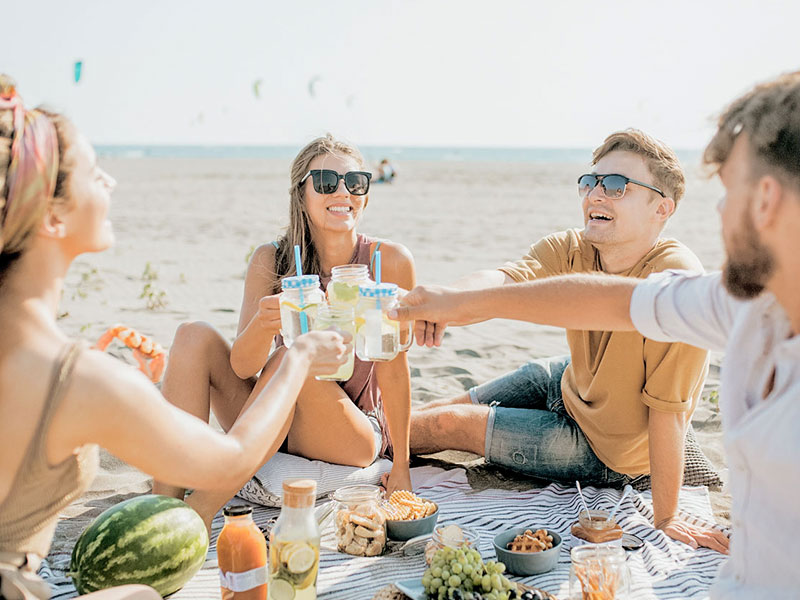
(618, 406)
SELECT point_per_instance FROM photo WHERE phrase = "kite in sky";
(78, 67)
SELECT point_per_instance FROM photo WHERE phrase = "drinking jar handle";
(407, 345)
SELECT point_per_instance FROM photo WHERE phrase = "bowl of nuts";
(527, 550)
(409, 516)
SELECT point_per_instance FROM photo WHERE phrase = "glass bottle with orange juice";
(294, 544)
(242, 556)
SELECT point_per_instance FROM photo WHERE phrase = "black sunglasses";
(613, 185)
(326, 181)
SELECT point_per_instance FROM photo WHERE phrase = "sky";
(560, 73)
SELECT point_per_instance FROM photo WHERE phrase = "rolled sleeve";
(674, 376)
(681, 306)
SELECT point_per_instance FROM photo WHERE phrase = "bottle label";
(246, 580)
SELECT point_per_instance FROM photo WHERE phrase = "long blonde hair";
(299, 230)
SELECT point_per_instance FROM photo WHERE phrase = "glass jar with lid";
(360, 523)
(294, 543)
(379, 338)
(300, 299)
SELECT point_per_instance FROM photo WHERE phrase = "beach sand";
(185, 227)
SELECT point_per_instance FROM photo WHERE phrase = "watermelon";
(153, 540)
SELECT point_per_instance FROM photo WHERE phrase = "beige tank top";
(29, 514)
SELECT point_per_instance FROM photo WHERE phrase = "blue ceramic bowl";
(526, 563)
(402, 531)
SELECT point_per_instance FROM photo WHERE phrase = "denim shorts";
(530, 431)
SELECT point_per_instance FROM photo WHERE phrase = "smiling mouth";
(340, 210)
(600, 217)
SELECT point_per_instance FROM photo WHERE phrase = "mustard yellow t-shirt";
(615, 378)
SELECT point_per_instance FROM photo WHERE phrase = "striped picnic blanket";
(662, 569)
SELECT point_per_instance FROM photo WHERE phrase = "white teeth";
(340, 209)
(601, 216)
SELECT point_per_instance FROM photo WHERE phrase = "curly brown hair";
(769, 115)
(661, 161)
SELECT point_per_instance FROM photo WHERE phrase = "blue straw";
(298, 265)
(377, 275)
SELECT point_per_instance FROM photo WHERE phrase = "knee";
(197, 337)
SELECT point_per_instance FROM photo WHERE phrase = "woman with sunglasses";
(58, 399)
(349, 423)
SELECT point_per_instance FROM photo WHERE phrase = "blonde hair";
(17, 231)
(770, 116)
(661, 161)
(299, 231)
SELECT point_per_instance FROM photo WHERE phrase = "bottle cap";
(299, 493)
(237, 510)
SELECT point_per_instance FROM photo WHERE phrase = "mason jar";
(360, 522)
(344, 284)
(450, 536)
(341, 319)
(379, 338)
(599, 573)
(300, 298)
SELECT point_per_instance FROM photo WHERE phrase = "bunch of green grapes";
(460, 574)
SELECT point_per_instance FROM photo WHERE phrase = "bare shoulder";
(396, 253)
(261, 269)
(397, 264)
(98, 377)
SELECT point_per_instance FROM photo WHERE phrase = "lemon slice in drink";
(280, 589)
(289, 549)
(301, 560)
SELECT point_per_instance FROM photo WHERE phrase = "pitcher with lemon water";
(294, 544)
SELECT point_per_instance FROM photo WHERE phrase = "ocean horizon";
(371, 153)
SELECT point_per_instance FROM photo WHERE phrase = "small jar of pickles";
(344, 283)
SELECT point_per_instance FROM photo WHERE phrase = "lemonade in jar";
(379, 338)
(341, 319)
(300, 299)
(344, 284)
(294, 544)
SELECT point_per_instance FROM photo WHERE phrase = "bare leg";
(198, 377)
(455, 427)
(462, 399)
(326, 425)
(125, 592)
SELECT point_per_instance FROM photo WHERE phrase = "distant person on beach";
(751, 311)
(618, 406)
(350, 423)
(386, 172)
(58, 399)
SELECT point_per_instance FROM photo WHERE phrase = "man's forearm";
(480, 280)
(666, 432)
(582, 302)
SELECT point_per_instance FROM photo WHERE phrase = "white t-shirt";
(761, 435)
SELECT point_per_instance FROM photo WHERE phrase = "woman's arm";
(393, 377)
(259, 318)
(115, 406)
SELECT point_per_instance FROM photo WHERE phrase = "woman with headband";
(59, 400)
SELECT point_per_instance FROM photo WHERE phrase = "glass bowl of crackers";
(528, 550)
(408, 515)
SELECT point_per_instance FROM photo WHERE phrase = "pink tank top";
(362, 387)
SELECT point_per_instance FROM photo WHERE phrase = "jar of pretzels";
(360, 522)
